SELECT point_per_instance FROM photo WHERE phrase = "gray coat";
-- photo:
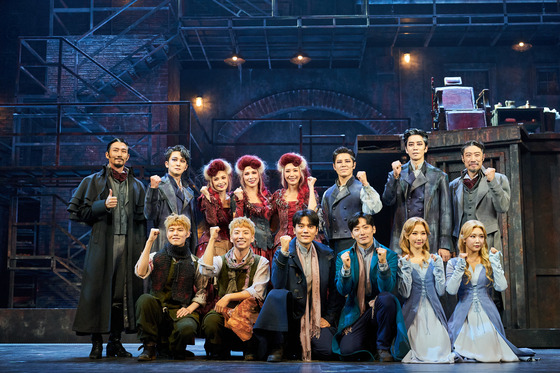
(162, 202)
(437, 205)
(492, 198)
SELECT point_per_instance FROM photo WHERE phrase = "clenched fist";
(345, 260)
(397, 166)
(285, 243)
(490, 173)
(154, 181)
(153, 234)
(238, 194)
(311, 182)
(361, 175)
(204, 191)
(445, 254)
(382, 255)
(493, 250)
(214, 232)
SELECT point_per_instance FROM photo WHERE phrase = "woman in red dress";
(215, 203)
(252, 200)
(298, 193)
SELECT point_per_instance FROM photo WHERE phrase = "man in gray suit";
(479, 193)
(418, 189)
(167, 195)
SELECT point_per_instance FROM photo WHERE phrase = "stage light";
(521, 46)
(235, 60)
(300, 59)
(406, 57)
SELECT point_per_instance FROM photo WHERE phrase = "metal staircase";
(76, 87)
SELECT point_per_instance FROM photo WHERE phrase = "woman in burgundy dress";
(252, 200)
(215, 203)
(298, 193)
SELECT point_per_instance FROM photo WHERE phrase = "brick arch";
(282, 102)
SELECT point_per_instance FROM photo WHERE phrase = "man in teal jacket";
(371, 323)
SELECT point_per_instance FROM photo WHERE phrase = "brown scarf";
(311, 321)
(361, 280)
(235, 269)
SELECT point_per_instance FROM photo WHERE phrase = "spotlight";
(521, 46)
(198, 101)
(235, 60)
(300, 59)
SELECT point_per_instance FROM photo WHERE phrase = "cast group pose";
(285, 275)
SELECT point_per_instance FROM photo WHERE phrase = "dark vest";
(343, 209)
(223, 278)
(415, 199)
(182, 280)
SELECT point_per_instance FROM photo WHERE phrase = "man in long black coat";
(111, 201)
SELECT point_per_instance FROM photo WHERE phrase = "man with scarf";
(178, 289)
(241, 275)
(111, 201)
(301, 312)
(371, 323)
(170, 195)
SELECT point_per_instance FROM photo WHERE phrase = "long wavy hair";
(466, 231)
(299, 162)
(404, 241)
(254, 162)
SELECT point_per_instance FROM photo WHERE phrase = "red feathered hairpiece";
(298, 161)
(292, 158)
(249, 161)
(215, 166)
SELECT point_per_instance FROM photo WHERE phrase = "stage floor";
(58, 358)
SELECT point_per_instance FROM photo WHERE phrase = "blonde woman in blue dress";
(421, 282)
(477, 332)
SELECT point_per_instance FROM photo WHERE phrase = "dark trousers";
(267, 341)
(220, 339)
(152, 322)
(379, 323)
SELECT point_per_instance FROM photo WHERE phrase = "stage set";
(227, 78)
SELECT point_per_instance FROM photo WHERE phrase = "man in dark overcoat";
(418, 189)
(170, 194)
(111, 201)
(301, 312)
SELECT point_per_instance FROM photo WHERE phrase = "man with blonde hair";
(241, 275)
(178, 290)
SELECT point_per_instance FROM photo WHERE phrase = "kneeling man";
(303, 271)
(366, 274)
(241, 275)
(178, 289)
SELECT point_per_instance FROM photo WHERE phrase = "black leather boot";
(149, 352)
(115, 347)
(96, 346)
